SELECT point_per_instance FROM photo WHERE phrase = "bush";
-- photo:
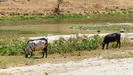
(14, 47)
(74, 44)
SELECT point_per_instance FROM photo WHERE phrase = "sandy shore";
(91, 66)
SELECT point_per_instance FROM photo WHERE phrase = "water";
(54, 26)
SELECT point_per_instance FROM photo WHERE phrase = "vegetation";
(47, 17)
(15, 47)
(74, 48)
(74, 44)
(12, 47)
(64, 16)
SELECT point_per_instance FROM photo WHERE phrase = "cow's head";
(102, 44)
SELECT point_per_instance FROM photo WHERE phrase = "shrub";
(14, 47)
(74, 44)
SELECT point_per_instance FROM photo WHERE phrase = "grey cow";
(37, 44)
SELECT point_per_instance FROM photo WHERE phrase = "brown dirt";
(11, 8)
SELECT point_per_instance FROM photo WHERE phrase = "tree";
(57, 9)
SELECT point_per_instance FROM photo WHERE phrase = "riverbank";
(43, 8)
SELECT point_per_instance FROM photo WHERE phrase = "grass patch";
(19, 18)
(13, 61)
(62, 16)
(47, 17)
(113, 53)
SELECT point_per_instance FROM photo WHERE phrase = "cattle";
(114, 37)
(36, 44)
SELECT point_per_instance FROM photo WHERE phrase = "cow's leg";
(43, 53)
(46, 53)
(107, 45)
(117, 44)
(103, 44)
(26, 55)
(31, 53)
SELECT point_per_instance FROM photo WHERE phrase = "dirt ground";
(91, 66)
(11, 8)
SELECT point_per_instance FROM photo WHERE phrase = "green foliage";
(74, 44)
(112, 45)
(14, 47)
(25, 17)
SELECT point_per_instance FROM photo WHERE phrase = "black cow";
(37, 44)
(114, 37)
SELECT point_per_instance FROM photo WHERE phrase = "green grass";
(47, 17)
(19, 18)
(65, 16)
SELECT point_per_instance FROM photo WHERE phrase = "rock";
(122, 31)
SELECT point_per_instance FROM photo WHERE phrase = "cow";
(114, 37)
(36, 44)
